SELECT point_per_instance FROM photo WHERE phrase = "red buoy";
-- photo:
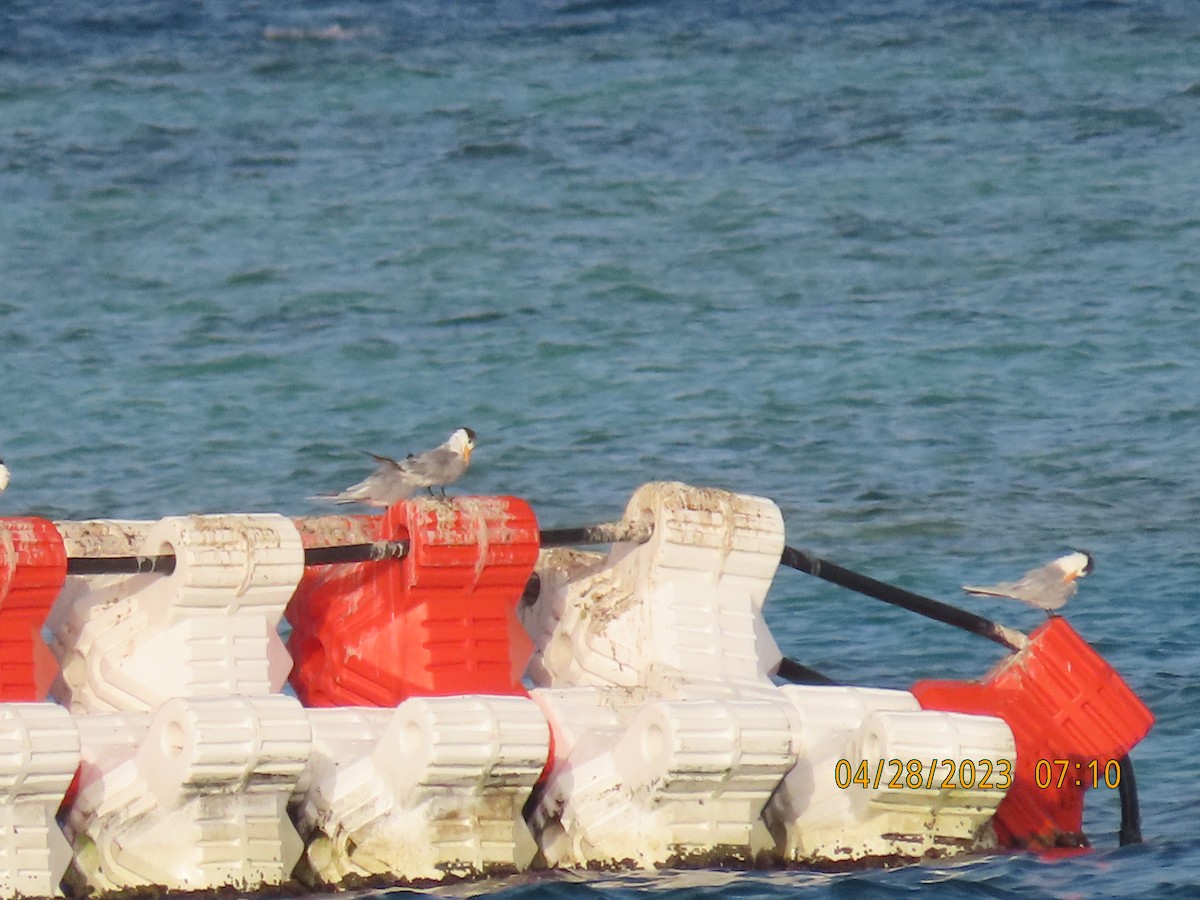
(1072, 717)
(33, 568)
(440, 621)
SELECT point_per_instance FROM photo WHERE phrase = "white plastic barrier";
(39, 752)
(431, 789)
(209, 628)
(682, 782)
(879, 778)
(669, 734)
(678, 615)
(191, 797)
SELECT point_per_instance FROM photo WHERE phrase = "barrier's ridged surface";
(430, 789)
(684, 607)
(209, 628)
(39, 752)
(669, 736)
(195, 801)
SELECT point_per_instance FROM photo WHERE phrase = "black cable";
(798, 673)
(1131, 814)
(164, 564)
(121, 565)
(898, 596)
(604, 533)
(372, 552)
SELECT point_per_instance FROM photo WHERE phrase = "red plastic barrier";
(33, 567)
(1070, 714)
(440, 621)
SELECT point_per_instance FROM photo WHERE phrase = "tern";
(1047, 588)
(3, 476)
(398, 480)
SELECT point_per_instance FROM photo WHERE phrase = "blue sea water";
(925, 273)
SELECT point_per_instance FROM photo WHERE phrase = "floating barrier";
(439, 621)
(680, 617)
(189, 753)
(448, 775)
(881, 780)
(1073, 718)
(432, 788)
(39, 742)
(208, 628)
(33, 567)
(683, 608)
(39, 753)
(414, 749)
(671, 782)
(667, 638)
(189, 797)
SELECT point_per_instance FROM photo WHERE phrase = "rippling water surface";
(926, 274)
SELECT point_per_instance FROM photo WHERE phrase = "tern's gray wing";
(434, 468)
(383, 487)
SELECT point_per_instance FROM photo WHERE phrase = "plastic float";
(39, 753)
(207, 628)
(1074, 721)
(432, 783)
(441, 620)
(648, 729)
(33, 567)
(669, 735)
(431, 789)
(667, 639)
(39, 743)
(191, 796)
(189, 752)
